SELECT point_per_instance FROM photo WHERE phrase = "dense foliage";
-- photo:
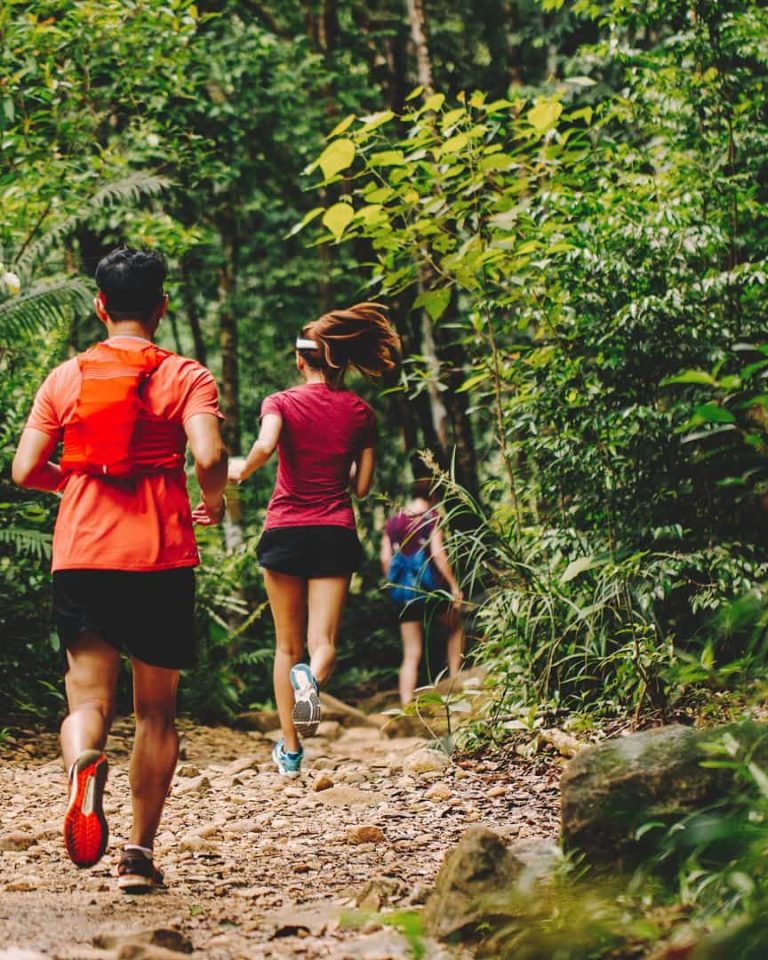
(562, 210)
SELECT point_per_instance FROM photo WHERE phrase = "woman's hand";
(458, 596)
(235, 469)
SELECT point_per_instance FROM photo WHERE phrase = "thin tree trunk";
(187, 292)
(230, 393)
(417, 18)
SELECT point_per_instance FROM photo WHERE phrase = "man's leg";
(288, 602)
(411, 634)
(90, 685)
(155, 747)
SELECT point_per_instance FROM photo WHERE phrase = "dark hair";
(360, 336)
(131, 282)
(423, 488)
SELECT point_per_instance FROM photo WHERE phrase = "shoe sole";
(306, 715)
(86, 832)
(135, 883)
(306, 710)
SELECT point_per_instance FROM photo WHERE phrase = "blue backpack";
(410, 576)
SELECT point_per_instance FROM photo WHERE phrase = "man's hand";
(235, 469)
(208, 515)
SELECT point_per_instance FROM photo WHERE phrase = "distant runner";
(309, 548)
(123, 546)
(414, 535)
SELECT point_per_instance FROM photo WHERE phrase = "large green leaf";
(337, 218)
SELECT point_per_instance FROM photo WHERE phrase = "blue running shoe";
(289, 764)
(306, 710)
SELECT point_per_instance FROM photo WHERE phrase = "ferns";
(136, 186)
(41, 307)
(33, 542)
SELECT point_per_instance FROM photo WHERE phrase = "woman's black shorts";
(149, 616)
(310, 552)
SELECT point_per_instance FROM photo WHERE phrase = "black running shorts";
(149, 616)
(311, 552)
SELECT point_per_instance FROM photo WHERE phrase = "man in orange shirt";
(124, 547)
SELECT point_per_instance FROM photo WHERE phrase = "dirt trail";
(256, 865)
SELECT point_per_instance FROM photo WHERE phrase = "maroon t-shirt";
(410, 531)
(323, 432)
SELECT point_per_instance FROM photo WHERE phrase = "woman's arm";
(242, 467)
(440, 559)
(385, 553)
(361, 474)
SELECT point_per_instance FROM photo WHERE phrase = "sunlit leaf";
(337, 218)
(336, 157)
(544, 114)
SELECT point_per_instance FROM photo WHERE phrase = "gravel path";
(256, 865)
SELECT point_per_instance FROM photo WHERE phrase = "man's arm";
(210, 455)
(32, 466)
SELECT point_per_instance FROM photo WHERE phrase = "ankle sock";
(145, 850)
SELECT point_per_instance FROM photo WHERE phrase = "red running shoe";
(85, 826)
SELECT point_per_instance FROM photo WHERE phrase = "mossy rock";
(610, 791)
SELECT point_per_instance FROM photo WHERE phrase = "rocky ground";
(328, 866)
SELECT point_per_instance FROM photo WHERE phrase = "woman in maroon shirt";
(324, 435)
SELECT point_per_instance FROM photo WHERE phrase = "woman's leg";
(288, 601)
(455, 647)
(412, 635)
(325, 602)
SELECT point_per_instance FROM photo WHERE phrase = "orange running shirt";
(141, 523)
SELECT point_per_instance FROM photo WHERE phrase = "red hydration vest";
(112, 433)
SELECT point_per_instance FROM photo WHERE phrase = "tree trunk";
(228, 344)
(188, 295)
(230, 380)
(417, 18)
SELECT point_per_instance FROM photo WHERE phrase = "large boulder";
(480, 879)
(610, 791)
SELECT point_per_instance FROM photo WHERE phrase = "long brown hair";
(360, 336)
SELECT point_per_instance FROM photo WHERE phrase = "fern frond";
(24, 540)
(128, 189)
(40, 307)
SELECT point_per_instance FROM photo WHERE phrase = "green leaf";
(435, 302)
(690, 376)
(388, 158)
(337, 156)
(576, 567)
(473, 381)
(416, 92)
(581, 81)
(434, 102)
(453, 144)
(341, 127)
(544, 114)
(337, 218)
(307, 218)
(371, 214)
(713, 413)
(374, 120)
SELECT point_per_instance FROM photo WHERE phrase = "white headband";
(304, 344)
